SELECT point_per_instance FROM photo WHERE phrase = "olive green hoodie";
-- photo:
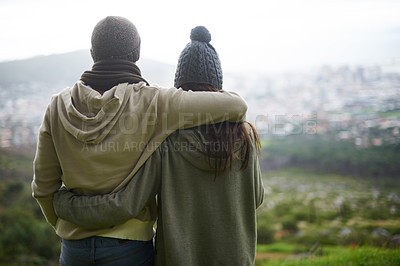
(95, 143)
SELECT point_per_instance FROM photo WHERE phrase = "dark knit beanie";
(115, 38)
(199, 62)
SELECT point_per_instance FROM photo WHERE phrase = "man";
(96, 135)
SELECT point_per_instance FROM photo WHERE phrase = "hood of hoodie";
(90, 116)
(190, 144)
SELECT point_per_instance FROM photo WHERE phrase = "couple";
(129, 152)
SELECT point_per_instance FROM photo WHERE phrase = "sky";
(251, 35)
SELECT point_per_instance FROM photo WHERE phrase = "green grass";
(279, 247)
(302, 208)
(340, 256)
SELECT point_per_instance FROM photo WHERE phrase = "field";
(312, 218)
(285, 255)
(307, 218)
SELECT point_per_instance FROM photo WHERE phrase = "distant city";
(360, 104)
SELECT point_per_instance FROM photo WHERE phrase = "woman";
(207, 178)
(96, 135)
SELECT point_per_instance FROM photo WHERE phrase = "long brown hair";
(227, 141)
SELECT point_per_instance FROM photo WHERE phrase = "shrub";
(265, 233)
(290, 226)
(325, 237)
(26, 238)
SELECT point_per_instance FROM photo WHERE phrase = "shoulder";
(57, 99)
(152, 87)
(67, 91)
(251, 130)
(155, 90)
(191, 138)
(188, 135)
(254, 138)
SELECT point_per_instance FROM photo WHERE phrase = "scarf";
(106, 74)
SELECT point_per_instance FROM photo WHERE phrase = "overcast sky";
(261, 35)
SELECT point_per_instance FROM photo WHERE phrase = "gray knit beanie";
(115, 38)
(199, 62)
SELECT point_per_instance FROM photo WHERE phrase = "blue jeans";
(106, 251)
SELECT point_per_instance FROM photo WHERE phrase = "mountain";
(61, 68)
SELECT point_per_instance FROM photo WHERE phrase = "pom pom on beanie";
(201, 34)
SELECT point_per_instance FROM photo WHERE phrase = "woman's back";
(204, 218)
